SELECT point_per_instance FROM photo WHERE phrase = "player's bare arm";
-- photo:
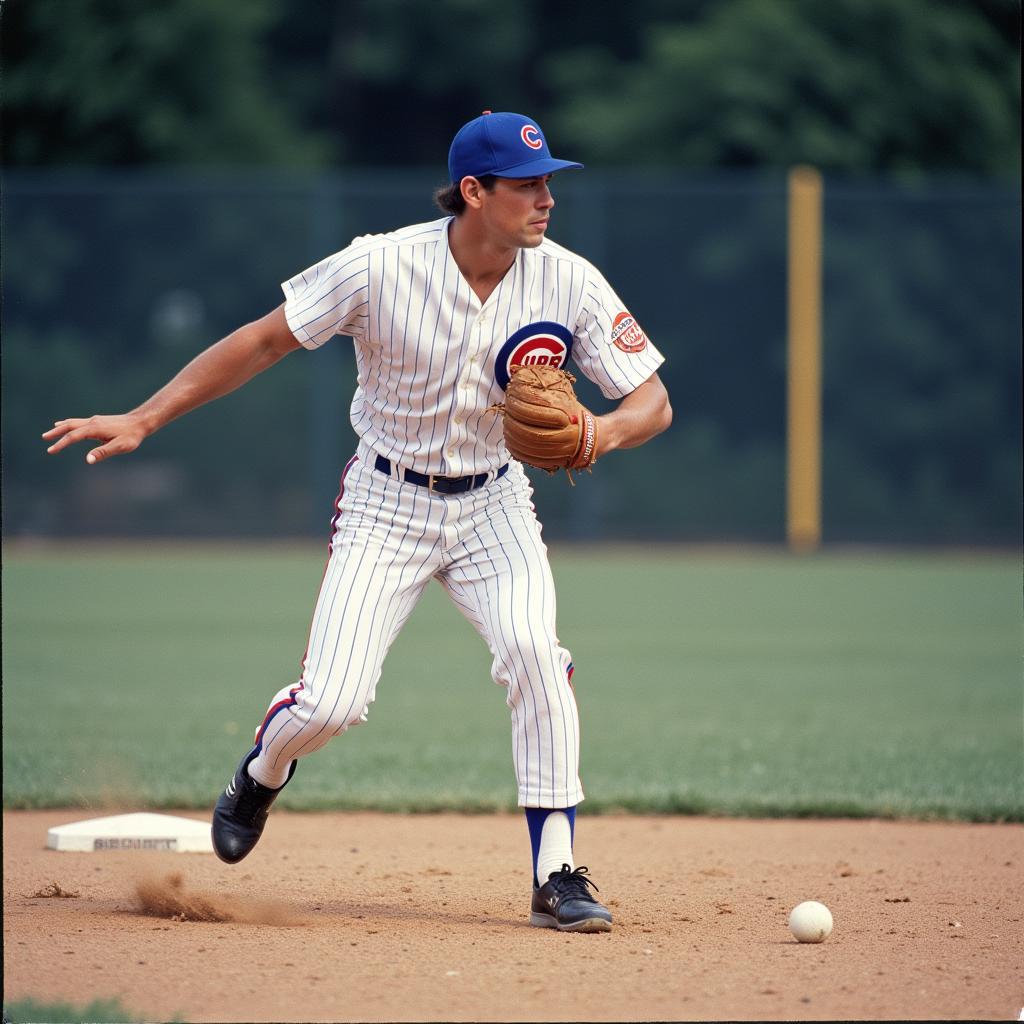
(641, 415)
(217, 371)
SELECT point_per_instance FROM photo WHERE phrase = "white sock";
(555, 845)
(259, 771)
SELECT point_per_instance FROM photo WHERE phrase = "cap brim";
(535, 168)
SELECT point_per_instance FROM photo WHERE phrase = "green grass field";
(23, 1011)
(723, 682)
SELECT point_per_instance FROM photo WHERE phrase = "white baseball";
(810, 922)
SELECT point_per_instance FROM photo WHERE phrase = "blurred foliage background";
(167, 165)
(852, 85)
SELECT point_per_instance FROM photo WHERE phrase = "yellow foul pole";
(803, 434)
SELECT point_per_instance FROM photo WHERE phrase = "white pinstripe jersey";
(431, 358)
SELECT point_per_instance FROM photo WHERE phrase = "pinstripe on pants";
(484, 547)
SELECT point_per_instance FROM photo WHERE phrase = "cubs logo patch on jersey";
(541, 344)
(627, 334)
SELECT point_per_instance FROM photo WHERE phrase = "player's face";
(518, 210)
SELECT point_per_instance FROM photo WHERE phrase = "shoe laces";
(573, 883)
(252, 801)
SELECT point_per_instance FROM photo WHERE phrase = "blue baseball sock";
(535, 819)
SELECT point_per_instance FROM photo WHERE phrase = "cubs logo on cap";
(505, 145)
(531, 136)
(544, 343)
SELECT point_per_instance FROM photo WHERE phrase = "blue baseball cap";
(505, 145)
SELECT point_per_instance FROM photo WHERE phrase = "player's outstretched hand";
(120, 434)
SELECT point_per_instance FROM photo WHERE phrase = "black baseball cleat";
(241, 812)
(563, 902)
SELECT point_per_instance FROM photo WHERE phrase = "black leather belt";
(441, 484)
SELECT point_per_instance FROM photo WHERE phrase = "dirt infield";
(365, 917)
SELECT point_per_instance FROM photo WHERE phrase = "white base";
(132, 832)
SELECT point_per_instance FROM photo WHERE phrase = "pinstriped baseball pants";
(484, 547)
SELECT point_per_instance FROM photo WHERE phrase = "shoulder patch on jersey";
(627, 334)
(541, 344)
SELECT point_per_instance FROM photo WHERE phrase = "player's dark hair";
(449, 197)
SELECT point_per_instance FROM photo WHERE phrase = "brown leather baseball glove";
(545, 424)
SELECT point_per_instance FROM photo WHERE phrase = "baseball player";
(442, 314)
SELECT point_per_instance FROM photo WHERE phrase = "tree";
(118, 82)
(862, 85)
(855, 85)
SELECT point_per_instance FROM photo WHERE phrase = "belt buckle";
(431, 477)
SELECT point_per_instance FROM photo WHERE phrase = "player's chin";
(534, 235)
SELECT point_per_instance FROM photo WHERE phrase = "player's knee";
(346, 723)
(549, 702)
(337, 718)
(545, 666)
(334, 724)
